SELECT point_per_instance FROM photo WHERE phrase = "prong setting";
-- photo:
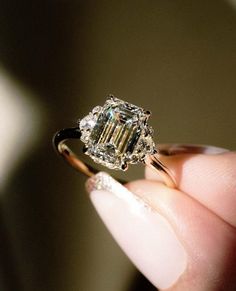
(85, 149)
(124, 166)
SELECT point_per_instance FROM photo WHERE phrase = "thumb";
(174, 240)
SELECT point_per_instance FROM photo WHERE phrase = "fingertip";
(145, 235)
(210, 179)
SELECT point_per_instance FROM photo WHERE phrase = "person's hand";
(179, 239)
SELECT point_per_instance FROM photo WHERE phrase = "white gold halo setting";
(117, 134)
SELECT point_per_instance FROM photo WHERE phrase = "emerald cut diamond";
(117, 134)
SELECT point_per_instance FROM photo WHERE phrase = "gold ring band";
(116, 135)
(59, 141)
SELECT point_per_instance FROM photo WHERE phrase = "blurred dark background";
(58, 59)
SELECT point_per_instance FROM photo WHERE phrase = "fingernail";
(144, 235)
(177, 149)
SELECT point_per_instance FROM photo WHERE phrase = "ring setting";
(117, 134)
(114, 135)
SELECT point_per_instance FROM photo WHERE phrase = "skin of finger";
(209, 241)
(210, 179)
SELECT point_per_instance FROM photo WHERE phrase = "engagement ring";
(114, 135)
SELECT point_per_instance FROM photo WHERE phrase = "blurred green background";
(58, 59)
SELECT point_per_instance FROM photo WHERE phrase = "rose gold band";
(153, 161)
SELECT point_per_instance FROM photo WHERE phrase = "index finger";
(210, 179)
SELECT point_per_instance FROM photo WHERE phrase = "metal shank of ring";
(59, 143)
(156, 164)
(74, 133)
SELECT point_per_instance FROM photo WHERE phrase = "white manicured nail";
(144, 235)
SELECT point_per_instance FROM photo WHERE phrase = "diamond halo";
(117, 134)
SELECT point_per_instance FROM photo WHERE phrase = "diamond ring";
(114, 135)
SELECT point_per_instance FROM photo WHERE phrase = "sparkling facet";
(117, 134)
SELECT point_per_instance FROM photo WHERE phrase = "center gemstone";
(117, 128)
(118, 134)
